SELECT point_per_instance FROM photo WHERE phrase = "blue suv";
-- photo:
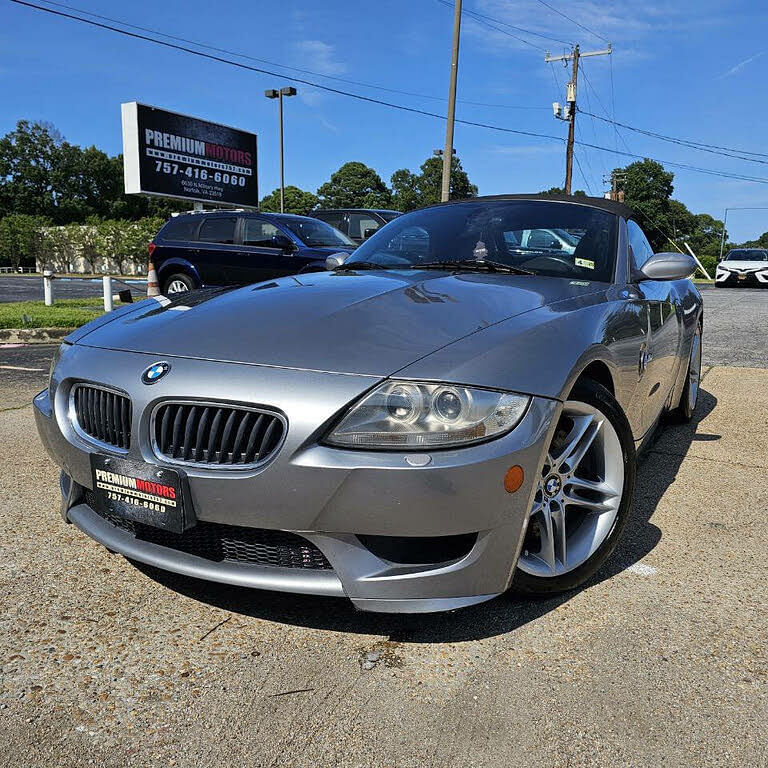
(194, 250)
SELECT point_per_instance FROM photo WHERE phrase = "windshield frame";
(461, 220)
(291, 221)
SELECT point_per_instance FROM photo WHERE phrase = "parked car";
(546, 239)
(195, 250)
(744, 267)
(442, 416)
(357, 223)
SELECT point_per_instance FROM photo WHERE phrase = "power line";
(617, 134)
(477, 15)
(480, 19)
(371, 100)
(260, 70)
(737, 154)
(573, 21)
(248, 57)
(671, 164)
(581, 171)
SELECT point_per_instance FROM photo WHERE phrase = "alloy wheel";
(177, 286)
(578, 495)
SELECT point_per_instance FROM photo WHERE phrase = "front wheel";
(584, 494)
(178, 283)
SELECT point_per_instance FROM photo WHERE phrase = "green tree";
(412, 190)
(297, 201)
(135, 237)
(648, 190)
(561, 191)
(354, 185)
(21, 239)
(28, 155)
(43, 175)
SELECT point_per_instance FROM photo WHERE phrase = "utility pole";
(615, 193)
(448, 151)
(570, 107)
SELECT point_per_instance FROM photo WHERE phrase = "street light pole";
(273, 93)
(722, 239)
(448, 152)
(725, 218)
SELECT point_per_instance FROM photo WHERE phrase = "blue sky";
(692, 68)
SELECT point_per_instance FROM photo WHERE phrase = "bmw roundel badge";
(155, 372)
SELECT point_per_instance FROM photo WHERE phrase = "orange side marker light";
(513, 479)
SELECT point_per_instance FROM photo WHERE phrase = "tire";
(688, 399)
(595, 521)
(172, 284)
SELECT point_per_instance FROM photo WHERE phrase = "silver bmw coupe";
(451, 411)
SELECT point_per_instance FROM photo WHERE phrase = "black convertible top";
(619, 209)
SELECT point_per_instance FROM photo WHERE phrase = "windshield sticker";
(584, 263)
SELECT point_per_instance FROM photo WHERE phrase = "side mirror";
(369, 231)
(667, 266)
(284, 243)
(335, 260)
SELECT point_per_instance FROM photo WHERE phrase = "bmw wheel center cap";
(155, 372)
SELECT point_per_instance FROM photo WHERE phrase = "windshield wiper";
(480, 265)
(350, 265)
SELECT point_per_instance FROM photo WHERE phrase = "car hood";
(743, 264)
(371, 323)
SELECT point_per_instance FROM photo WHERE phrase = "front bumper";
(333, 498)
(754, 279)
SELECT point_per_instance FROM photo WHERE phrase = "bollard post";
(107, 280)
(48, 287)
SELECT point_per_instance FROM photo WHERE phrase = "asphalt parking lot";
(18, 288)
(661, 660)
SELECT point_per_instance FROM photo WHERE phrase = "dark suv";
(357, 223)
(198, 249)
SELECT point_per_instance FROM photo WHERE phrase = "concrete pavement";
(660, 661)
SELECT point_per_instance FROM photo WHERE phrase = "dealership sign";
(174, 155)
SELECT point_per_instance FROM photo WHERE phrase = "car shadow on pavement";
(657, 470)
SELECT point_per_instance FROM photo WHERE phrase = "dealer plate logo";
(155, 372)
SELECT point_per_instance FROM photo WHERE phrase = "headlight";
(405, 414)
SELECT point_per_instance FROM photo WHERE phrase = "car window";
(639, 248)
(218, 229)
(258, 232)
(517, 233)
(180, 228)
(335, 219)
(359, 222)
(315, 233)
(744, 255)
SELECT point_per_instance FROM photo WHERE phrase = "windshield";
(747, 256)
(388, 215)
(315, 233)
(543, 237)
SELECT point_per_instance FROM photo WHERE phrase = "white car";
(743, 267)
(547, 239)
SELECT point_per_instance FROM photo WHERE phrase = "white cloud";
(319, 57)
(738, 67)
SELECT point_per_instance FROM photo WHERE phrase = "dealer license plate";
(140, 492)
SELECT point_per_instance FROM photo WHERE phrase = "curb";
(33, 335)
